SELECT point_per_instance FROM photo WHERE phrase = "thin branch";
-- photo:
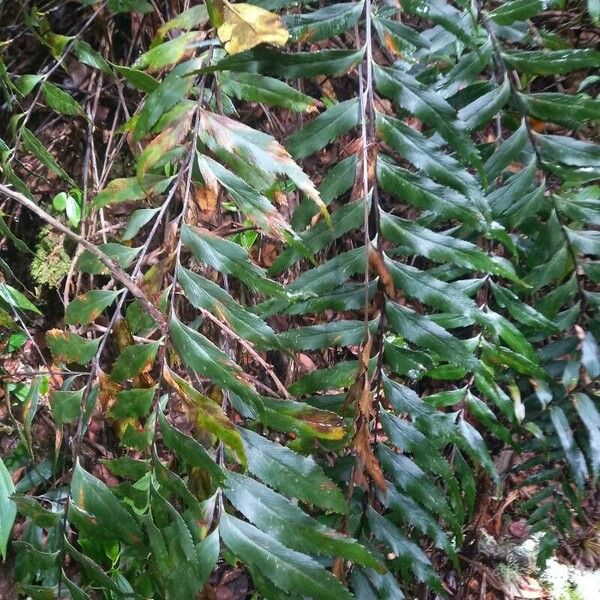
(46, 76)
(366, 191)
(257, 357)
(117, 273)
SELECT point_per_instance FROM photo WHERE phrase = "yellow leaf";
(209, 415)
(245, 26)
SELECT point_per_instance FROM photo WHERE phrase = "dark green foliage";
(442, 280)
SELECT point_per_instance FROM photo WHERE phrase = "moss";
(571, 594)
(509, 572)
(51, 262)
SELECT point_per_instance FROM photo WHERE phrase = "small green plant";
(70, 203)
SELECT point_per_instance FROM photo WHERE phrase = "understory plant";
(349, 260)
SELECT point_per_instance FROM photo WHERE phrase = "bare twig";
(117, 273)
(364, 116)
(257, 357)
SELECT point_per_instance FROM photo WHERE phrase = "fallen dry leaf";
(245, 26)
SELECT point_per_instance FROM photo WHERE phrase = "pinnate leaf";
(96, 499)
(8, 509)
(292, 474)
(288, 569)
(287, 523)
(89, 306)
(134, 360)
(69, 347)
(207, 414)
